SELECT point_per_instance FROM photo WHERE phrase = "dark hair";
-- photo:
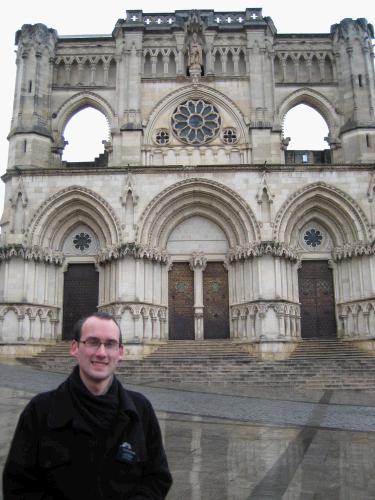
(77, 328)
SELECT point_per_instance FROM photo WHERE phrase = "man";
(90, 438)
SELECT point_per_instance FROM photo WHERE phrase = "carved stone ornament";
(136, 250)
(35, 253)
(260, 248)
(356, 250)
(198, 259)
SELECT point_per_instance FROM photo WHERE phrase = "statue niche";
(195, 56)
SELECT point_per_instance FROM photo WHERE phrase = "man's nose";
(101, 350)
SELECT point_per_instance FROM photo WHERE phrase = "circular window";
(162, 136)
(312, 237)
(82, 241)
(230, 136)
(196, 122)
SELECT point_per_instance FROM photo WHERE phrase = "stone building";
(197, 221)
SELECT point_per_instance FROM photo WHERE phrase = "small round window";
(230, 135)
(162, 136)
(314, 238)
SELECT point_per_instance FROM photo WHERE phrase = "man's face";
(97, 365)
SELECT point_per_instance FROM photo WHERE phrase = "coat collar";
(62, 411)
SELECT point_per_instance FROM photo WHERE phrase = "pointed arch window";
(85, 133)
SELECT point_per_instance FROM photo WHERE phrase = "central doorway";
(81, 293)
(317, 300)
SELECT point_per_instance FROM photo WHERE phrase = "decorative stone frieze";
(32, 322)
(357, 318)
(132, 249)
(356, 250)
(35, 253)
(265, 320)
(148, 320)
(260, 248)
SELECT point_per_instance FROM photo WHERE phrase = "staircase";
(314, 364)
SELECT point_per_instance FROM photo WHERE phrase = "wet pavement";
(231, 442)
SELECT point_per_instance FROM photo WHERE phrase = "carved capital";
(197, 260)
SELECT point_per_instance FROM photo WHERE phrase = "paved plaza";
(230, 442)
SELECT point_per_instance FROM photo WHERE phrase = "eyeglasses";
(95, 344)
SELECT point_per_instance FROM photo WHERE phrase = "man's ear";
(121, 351)
(74, 348)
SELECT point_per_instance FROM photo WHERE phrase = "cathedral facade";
(197, 221)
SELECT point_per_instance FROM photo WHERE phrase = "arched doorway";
(198, 297)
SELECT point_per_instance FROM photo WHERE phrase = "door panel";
(317, 300)
(181, 302)
(81, 292)
(216, 301)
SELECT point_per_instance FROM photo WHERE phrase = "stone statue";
(195, 52)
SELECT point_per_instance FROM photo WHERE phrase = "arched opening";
(159, 64)
(242, 64)
(85, 133)
(217, 64)
(230, 64)
(172, 64)
(307, 131)
(147, 68)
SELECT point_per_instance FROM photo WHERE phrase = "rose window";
(82, 241)
(230, 136)
(196, 122)
(313, 237)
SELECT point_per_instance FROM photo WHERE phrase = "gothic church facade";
(197, 221)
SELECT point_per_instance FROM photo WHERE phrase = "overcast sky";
(97, 17)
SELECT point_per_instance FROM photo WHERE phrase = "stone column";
(180, 70)
(153, 327)
(198, 264)
(21, 335)
(137, 333)
(147, 333)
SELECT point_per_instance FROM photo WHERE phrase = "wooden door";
(81, 292)
(181, 302)
(316, 295)
(216, 301)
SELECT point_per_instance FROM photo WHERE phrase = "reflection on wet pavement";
(229, 458)
(212, 460)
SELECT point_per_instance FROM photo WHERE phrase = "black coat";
(54, 456)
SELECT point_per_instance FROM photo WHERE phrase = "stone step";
(313, 364)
